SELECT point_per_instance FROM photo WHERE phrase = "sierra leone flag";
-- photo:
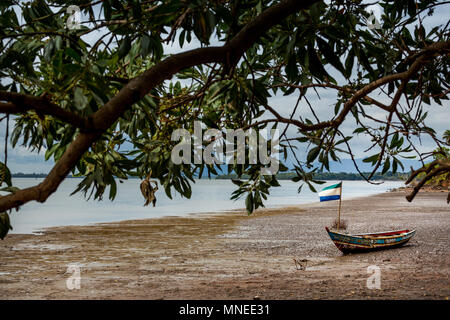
(331, 193)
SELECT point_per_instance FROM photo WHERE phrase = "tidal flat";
(235, 256)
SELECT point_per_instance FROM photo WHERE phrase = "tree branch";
(19, 103)
(435, 168)
(333, 86)
(136, 89)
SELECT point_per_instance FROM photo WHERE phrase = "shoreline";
(42, 230)
(235, 256)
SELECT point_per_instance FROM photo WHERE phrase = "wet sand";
(234, 256)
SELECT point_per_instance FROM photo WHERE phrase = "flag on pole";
(332, 192)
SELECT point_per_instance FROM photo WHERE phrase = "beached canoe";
(348, 243)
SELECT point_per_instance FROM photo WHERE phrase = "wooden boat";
(348, 243)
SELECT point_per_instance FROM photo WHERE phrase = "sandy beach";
(235, 256)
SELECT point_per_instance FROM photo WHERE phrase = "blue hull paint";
(328, 198)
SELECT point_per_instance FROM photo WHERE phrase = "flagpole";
(339, 212)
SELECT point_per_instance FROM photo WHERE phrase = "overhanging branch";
(136, 89)
(19, 103)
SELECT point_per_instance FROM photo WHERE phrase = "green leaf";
(249, 203)
(137, 10)
(400, 164)
(72, 53)
(330, 55)
(107, 9)
(291, 69)
(237, 182)
(315, 65)
(5, 175)
(274, 182)
(50, 151)
(386, 166)
(181, 38)
(394, 140)
(5, 225)
(349, 62)
(124, 48)
(257, 200)
(312, 154)
(359, 130)
(311, 187)
(113, 189)
(394, 165)
(145, 45)
(372, 159)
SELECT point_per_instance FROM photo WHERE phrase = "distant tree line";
(332, 176)
(282, 176)
(29, 175)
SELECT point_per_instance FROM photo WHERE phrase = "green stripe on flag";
(334, 186)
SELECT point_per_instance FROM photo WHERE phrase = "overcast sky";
(22, 160)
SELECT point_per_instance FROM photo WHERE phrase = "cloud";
(22, 159)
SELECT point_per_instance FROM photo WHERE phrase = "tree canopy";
(102, 99)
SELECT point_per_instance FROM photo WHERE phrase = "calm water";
(61, 209)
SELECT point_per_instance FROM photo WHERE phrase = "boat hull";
(348, 243)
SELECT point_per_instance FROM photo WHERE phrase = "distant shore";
(233, 256)
(344, 176)
(425, 188)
